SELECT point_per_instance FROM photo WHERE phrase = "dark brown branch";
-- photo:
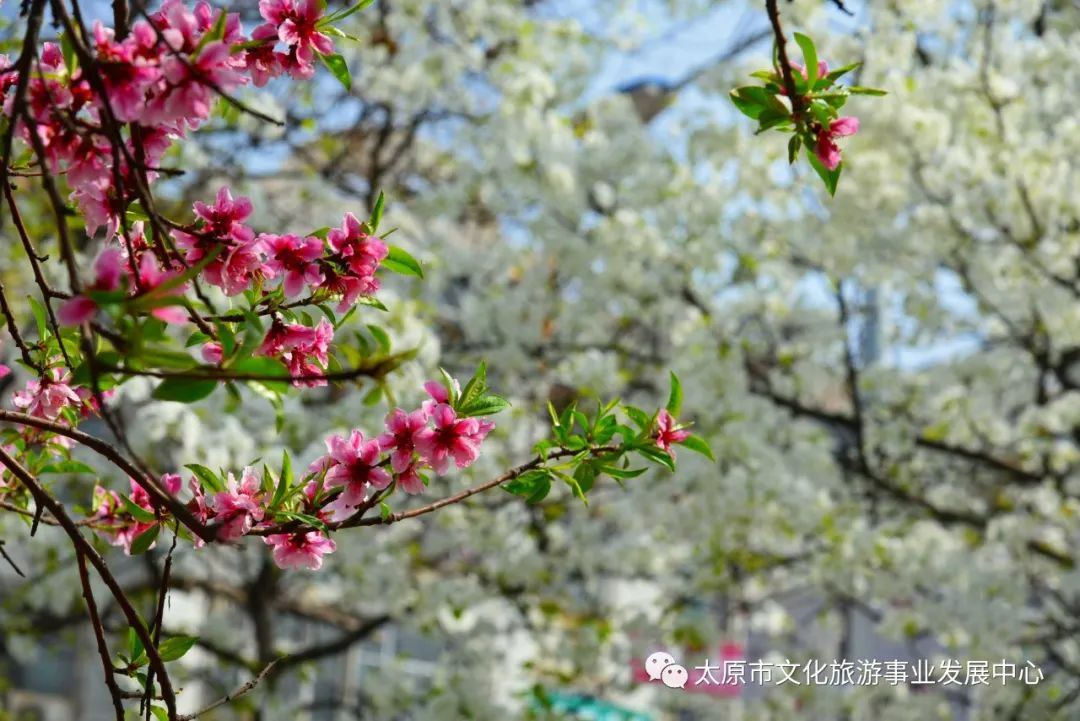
(43, 498)
(782, 57)
(99, 636)
(159, 495)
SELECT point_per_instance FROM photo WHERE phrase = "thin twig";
(229, 698)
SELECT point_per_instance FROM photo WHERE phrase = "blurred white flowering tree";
(888, 377)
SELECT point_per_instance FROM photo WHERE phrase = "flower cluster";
(805, 101)
(355, 472)
(161, 80)
(304, 350)
(429, 437)
(236, 259)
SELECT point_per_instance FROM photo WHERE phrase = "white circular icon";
(656, 663)
(674, 676)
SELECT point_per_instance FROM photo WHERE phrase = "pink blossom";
(452, 437)
(667, 432)
(403, 429)
(222, 231)
(89, 401)
(151, 277)
(827, 151)
(409, 480)
(224, 219)
(282, 338)
(46, 398)
(294, 258)
(264, 63)
(439, 394)
(355, 256)
(301, 348)
(349, 287)
(126, 77)
(239, 507)
(296, 25)
(354, 464)
(300, 550)
(110, 510)
(212, 352)
(192, 86)
(108, 269)
(199, 507)
(360, 251)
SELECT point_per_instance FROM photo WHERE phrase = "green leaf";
(67, 49)
(475, 388)
(39, 316)
(285, 480)
(674, 403)
(165, 358)
(160, 713)
(184, 390)
(209, 480)
(303, 518)
(377, 212)
(766, 75)
(268, 482)
(269, 367)
(585, 475)
(197, 338)
(698, 445)
(144, 540)
(337, 65)
(657, 455)
(137, 512)
(575, 487)
(70, 466)
(174, 648)
(835, 75)
(342, 14)
(640, 418)
(385, 511)
(381, 337)
(751, 100)
(371, 301)
(793, 148)
(621, 473)
(809, 57)
(451, 387)
(829, 177)
(533, 485)
(860, 90)
(135, 647)
(399, 261)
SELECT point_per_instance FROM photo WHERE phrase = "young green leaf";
(174, 648)
(339, 68)
(698, 445)
(533, 485)
(377, 213)
(674, 403)
(209, 480)
(399, 261)
(184, 390)
(144, 540)
(829, 177)
(809, 58)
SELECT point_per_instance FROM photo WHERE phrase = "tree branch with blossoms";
(803, 100)
(93, 115)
